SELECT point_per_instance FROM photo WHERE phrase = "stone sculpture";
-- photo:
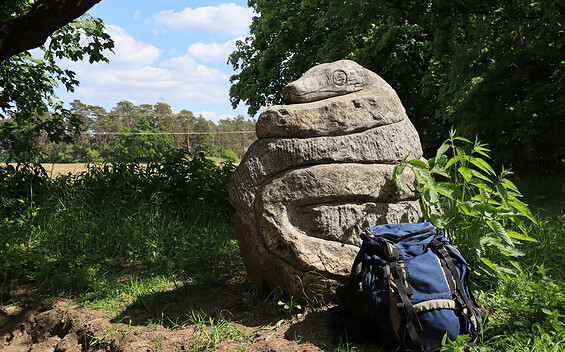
(320, 172)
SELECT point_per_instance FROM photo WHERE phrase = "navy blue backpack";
(416, 284)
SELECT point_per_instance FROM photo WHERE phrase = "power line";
(96, 114)
(183, 133)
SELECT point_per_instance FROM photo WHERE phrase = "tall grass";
(123, 230)
(169, 219)
(527, 311)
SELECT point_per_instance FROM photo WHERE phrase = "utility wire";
(96, 114)
(184, 133)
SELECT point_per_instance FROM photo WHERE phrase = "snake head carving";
(327, 80)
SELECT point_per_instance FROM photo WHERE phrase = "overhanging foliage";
(489, 68)
(28, 105)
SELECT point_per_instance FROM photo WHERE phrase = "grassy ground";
(56, 169)
(151, 253)
(544, 193)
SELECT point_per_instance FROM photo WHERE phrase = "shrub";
(464, 194)
(229, 155)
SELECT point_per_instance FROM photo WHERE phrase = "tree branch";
(32, 28)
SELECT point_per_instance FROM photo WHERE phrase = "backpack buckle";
(392, 253)
(436, 244)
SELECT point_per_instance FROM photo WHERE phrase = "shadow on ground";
(263, 323)
(189, 317)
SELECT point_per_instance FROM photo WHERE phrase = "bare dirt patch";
(184, 319)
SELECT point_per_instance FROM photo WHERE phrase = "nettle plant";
(481, 209)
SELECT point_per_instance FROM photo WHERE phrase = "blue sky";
(166, 50)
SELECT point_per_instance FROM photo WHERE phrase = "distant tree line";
(146, 132)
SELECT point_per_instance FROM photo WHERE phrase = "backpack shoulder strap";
(410, 340)
(357, 268)
(456, 286)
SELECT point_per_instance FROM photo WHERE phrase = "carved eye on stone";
(340, 78)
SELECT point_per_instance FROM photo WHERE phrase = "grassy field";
(151, 256)
(56, 169)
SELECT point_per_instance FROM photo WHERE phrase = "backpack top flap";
(410, 239)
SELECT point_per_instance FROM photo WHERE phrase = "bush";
(464, 194)
(173, 217)
(91, 155)
(229, 155)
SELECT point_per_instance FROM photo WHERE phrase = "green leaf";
(518, 222)
(447, 189)
(483, 165)
(441, 161)
(509, 251)
(440, 220)
(484, 188)
(441, 150)
(430, 196)
(520, 236)
(477, 174)
(489, 266)
(426, 177)
(463, 139)
(466, 173)
(436, 166)
(515, 264)
(480, 149)
(513, 195)
(495, 269)
(500, 231)
(509, 185)
(488, 241)
(419, 164)
(502, 192)
(431, 163)
(488, 210)
(520, 206)
(479, 198)
(505, 250)
(397, 175)
(469, 208)
(441, 172)
(452, 161)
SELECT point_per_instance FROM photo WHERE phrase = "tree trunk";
(32, 28)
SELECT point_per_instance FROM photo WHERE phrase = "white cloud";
(210, 115)
(128, 51)
(213, 51)
(224, 18)
(137, 73)
(190, 68)
(144, 77)
(179, 81)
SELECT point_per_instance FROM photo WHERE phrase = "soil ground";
(174, 320)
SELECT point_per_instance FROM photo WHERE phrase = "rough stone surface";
(331, 117)
(319, 174)
(269, 156)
